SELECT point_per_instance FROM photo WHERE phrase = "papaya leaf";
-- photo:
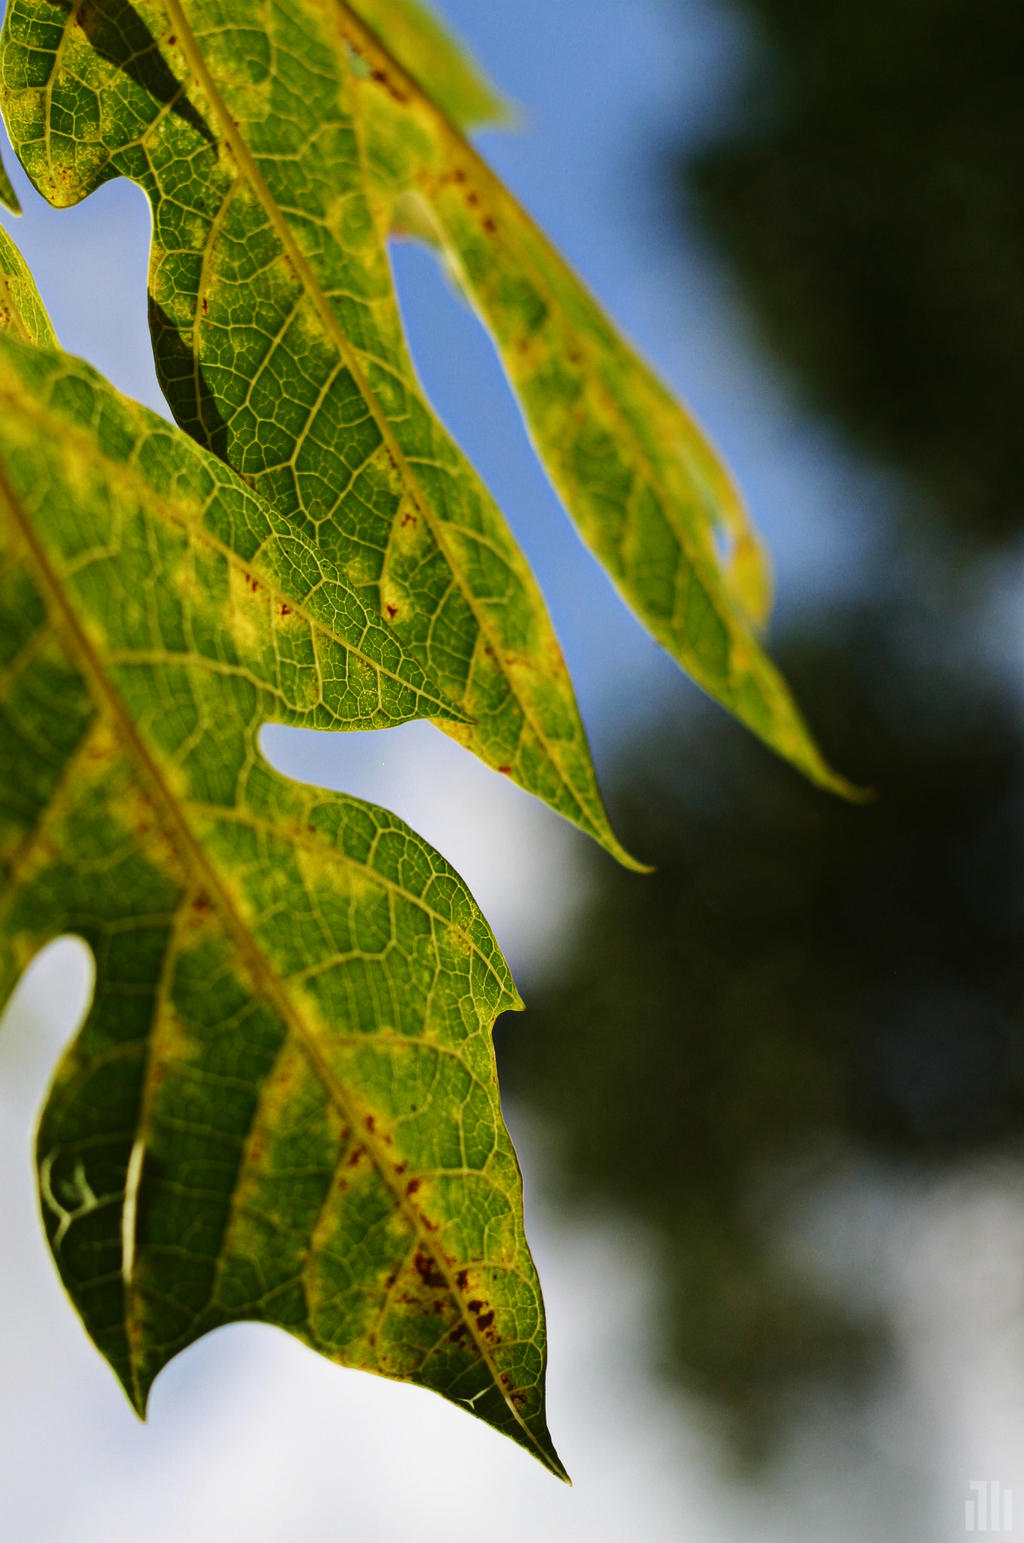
(282, 1105)
(278, 338)
(279, 144)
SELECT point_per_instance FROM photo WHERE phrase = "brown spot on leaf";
(392, 611)
(485, 1320)
(412, 1186)
(427, 1270)
(382, 79)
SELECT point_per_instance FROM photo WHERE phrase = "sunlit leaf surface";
(278, 338)
(279, 145)
(282, 1105)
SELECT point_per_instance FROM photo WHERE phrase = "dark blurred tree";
(804, 984)
(869, 194)
(801, 983)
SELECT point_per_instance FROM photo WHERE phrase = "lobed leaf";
(277, 333)
(283, 1104)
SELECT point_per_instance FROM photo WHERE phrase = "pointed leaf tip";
(647, 490)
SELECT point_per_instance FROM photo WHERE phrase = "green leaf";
(22, 313)
(278, 337)
(283, 1104)
(8, 197)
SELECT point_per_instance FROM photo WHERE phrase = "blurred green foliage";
(802, 986)
(806, 990)
(868, 194)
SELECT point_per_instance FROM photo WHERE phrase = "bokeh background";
(769, 1101)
